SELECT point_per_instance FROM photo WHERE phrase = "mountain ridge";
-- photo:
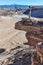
(13, 6)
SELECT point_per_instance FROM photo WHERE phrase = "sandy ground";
(8, 32)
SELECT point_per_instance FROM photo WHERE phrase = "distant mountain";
(13, 6)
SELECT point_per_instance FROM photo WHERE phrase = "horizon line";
(22, 4)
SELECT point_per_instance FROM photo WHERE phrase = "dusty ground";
(8, 32)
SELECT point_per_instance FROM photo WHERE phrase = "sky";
(22, 2)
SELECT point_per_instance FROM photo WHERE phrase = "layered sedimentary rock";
(34, 30)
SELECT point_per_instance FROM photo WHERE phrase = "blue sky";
(22, 2)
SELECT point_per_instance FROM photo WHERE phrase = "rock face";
(21, 55)
(39, 48)
(18, 56)
(37, 55)
(34, 35)
(34, 30)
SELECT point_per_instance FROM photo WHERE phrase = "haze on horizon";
(21, 2)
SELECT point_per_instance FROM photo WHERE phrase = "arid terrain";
(8, 31)
(13, 43)
(11, 40)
